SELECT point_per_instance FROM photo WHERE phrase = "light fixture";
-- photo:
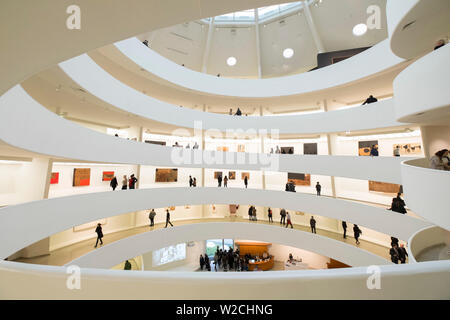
(288, 53)
(359, 29)
(231, 61)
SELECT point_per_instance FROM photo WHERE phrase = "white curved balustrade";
(426, 280)
(112, 254)
(48, 36)
(428, 238)
(415, 25)
(422, 90)
(426, 191)
(59, 214)
(368, 63)
(89, 75)
(25, 124)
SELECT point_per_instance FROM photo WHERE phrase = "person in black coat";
(370, 99)
(394, 240)
(219, 180)
(202, 262)
(99, 232)
(402, 254)
(312, 223)
(168, 219)
(245, 181)
(356, 233)
(394, 252)
(398, 204)
(344, 226)
(113, 183)
(191, 181)
(318, 188)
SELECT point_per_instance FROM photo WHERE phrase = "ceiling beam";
(208, 45)
(258, 45)
(312, 27)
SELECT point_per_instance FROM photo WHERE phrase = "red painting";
(108, 175)
(55, 178)
(81, 177)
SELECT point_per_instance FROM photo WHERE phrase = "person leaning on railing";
(440, 160)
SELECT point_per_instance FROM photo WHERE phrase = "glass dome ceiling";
(264, 13)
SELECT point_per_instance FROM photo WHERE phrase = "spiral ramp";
(419, 97)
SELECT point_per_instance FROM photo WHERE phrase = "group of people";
(252, 213)
(192, 181)
(356, 231)
(440, 160)
(398, 204)
(227, 260)
(126, 183)
(188, 146)
(225, 181)
(397, 253)
(152, 214)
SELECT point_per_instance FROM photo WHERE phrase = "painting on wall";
(217, 174)
(162, 143)
(107, 175)
(231, 175)
(55, 178)
(89, 225)
(213, 208)
(364, 147)
(310, 148)
(245, 174)
(299, 179)
(81, 177)
(166, 175)
(408, 148)
(172, 208)
(287, 150)
(299, 213)
(222, 148)
(241, 148)
(384, 187)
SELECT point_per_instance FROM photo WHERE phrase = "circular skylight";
(359, 29)
(288, 53)
(231, 61)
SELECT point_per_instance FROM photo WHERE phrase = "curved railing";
(416, 25)
(377, 59)
(59, 214)
(430, 103)
(89, 75)
(26, 124)
(429, 243)
(426, 191)
(427, 280)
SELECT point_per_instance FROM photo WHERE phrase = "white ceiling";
(334, 20)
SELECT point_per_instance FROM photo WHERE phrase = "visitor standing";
(318, 188)
(282, 217)
(246, 181)
(312, 223)
(151, 216)
(344, 226)
(269, 214)
(124, 183)
(288, 216)
(113, 183)
(132, 182)
(225, 182)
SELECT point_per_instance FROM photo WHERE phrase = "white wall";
(314, 260)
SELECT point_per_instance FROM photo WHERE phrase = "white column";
(258, 45)
(312, 27)
(330, 150)
(208, 46)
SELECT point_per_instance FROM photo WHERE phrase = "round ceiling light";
(359, 29)
(231, 61)
(288, 53)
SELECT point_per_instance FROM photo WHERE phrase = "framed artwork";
(89, 225)
(217, 174)
(81, 177)
(172, 208)
(107, 175)
(408, 148)
(222, 148)
(245, 174)
(166, 175)
(213, 207)
(384, 187)
(241, 148)
(233, 208)
(287, 150)
(364, 147)
(299, 213)
(54, 178)
(162, 143)
(300, 179)
(231, 175)
(310, 148)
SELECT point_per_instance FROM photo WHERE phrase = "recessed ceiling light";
(231, 61)
(288, 53)
(359, 29)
